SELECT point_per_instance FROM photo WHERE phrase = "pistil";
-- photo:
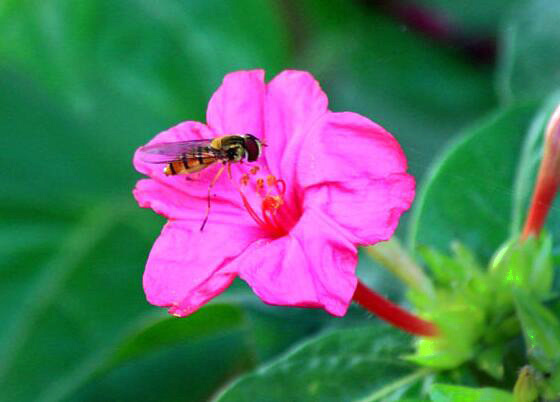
(270, 193)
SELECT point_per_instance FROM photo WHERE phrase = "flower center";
(269, 198)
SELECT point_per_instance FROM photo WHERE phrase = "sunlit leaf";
(467, 195)
(456, 393)
(338, 366)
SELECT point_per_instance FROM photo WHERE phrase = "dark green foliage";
(83, 84)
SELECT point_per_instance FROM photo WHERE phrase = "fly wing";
(167, 152)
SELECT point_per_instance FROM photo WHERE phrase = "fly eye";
(252, 148)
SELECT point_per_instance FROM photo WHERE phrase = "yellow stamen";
(244, 179)
(270, 180)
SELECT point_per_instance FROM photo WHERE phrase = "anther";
(271, 203)
(259, 184)
(244, 179)
(254, 170)
(270, 180)
(268, 214)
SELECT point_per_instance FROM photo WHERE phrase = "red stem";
(545, 192)
(392, 313)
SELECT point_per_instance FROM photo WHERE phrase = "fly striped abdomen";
(189, 163)
(191, 156)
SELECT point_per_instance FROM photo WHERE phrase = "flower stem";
(392, 313)
(393, 256)
(548, 179)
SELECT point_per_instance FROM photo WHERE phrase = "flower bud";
(548, 179)
(526, 389)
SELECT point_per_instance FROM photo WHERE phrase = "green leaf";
(69, 301)
(418, 90)
(169, 56)
(158, 340)
(445, 269)
(526, 265)
(529, 64)
(461, 324)
(456, 393)
(272, 329)
(467, 195)
(191, 371)
(73, 307)
(67, 160)
(163, 331)
(541, 330)
(342, 365)
(491, 361)
(454, 270)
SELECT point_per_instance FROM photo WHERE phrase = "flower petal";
(313, 266)
(185, 197)
(185, 131)
(237, 106)
(369, 209)
(173, 204)
(294, 102)
(355, 172)
(186, 268)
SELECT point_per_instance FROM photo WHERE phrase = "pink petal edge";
(294, 101)
(237, 106)
(186, 268)
(355, 172)
(313, 266)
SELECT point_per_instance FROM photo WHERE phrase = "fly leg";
(214, 180)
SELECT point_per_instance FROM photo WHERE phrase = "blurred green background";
(83, 84)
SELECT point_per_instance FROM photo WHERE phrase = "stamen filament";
(251, 210)
(267, 218)
(283, 183)
(270, 191)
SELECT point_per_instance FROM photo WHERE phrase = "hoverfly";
(187, 157)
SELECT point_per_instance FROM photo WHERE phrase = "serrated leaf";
(456, 393)
(338, 366)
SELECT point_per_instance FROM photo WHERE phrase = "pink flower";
(326, 183)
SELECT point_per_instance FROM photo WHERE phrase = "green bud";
(526, 387)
